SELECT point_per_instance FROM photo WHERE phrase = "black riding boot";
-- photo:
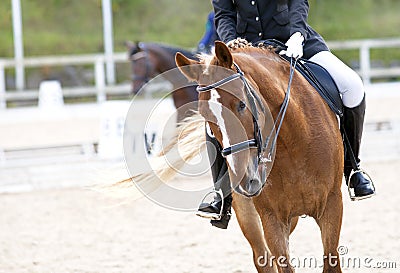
(353, 126)
(219, 170)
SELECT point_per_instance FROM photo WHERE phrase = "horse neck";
(162, 59)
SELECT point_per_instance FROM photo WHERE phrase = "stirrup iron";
(208, 215)
(351, 194)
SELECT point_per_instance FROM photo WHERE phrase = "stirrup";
(352, 195)
(208, 215)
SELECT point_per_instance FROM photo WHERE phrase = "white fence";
(101, 87)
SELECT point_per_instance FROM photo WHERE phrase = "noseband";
(257, 141)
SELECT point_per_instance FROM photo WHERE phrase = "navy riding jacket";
(256, 20)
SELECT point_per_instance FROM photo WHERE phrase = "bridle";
(137, 56)
(254, 100)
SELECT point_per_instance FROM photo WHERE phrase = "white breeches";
(347, 80)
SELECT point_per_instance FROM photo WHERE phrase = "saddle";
(322, 81)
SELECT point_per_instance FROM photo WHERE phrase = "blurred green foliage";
(54, 27)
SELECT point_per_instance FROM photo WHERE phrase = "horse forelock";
(206, 60)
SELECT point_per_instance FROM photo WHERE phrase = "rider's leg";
(352, 90)
(219, 172)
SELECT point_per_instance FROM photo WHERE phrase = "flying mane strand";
(188, 142)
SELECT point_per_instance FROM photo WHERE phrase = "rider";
(207, 41)
(286, 21)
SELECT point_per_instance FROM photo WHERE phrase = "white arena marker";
(113, 114)
(50, 95)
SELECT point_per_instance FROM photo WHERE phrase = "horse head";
(233, 109)
(142, 65)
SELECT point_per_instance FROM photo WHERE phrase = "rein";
(257, 141)
(281, 114)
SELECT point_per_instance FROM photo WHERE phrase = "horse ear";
(223, 54)
(129, 44)
(189, 68)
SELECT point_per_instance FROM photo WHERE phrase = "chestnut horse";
(151, 59)
(307, 171)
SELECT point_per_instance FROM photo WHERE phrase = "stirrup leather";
(209, 215)
(352, 195)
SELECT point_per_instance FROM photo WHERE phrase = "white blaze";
(216, 108)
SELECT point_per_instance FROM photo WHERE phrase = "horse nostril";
(254, 181)
(253, 186)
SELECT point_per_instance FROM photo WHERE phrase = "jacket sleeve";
(298, 13)
(225, 19)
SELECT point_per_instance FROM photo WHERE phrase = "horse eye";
(241, 106)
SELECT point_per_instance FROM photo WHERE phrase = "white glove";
(295, 46)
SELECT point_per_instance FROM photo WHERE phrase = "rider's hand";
(294, 46)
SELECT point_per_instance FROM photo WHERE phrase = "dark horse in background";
(151, 59)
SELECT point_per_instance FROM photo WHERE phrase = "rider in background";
(286, 21)
(207, 41)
